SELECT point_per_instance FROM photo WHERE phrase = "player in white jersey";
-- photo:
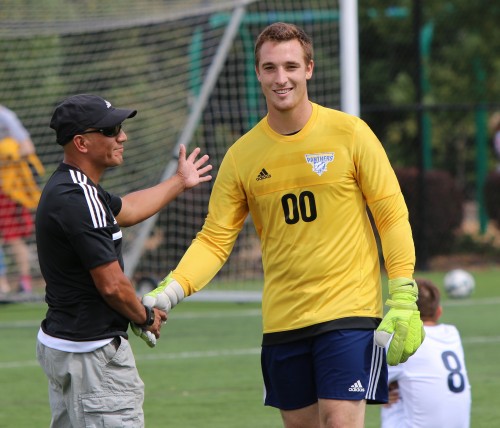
(432, 388)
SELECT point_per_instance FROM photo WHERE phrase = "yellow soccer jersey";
(307, 195)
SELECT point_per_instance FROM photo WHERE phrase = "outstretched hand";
(193, 171)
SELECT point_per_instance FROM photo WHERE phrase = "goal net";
(187, 67)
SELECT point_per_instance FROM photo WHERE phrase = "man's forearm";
(142, 204)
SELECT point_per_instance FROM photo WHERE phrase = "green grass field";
(205, 370)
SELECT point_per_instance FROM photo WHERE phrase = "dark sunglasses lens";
(112, 131)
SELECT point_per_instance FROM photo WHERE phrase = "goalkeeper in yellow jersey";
(307, 174)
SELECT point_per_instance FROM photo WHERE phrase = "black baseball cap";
(80, 112)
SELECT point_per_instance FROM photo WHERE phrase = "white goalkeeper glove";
(167, 295)
(145, 335)
(402, 322)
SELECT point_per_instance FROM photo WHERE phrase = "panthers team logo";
(319, 161)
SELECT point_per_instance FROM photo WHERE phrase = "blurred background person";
(432, 388)
(4, 283)
(20, 169)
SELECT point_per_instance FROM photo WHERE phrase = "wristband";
(150, 316)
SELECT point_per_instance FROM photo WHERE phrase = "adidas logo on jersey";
(263, 175)
(357, 387)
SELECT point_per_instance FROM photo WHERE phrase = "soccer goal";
(187, 67)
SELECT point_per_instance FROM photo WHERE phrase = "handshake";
(164, 297)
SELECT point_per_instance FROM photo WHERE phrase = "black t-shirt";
(76, 231)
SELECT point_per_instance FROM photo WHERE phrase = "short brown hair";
(284, 32)
(428, 299)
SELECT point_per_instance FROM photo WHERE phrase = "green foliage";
(459, 41)
(484, 246)
(463, 33)
(442, 213)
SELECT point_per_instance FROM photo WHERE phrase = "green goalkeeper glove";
(164, 297)
(402, 322)
(145, 335)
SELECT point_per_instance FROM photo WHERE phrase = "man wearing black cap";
(82, 343)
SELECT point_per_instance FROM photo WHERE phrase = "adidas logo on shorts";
(357, 387)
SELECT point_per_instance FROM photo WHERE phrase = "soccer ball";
(459, 283)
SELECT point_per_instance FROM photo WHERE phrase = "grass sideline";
(205, 370)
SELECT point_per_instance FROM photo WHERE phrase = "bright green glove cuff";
(166, 296)
(404, 293)
(145, 335)
(402, 323)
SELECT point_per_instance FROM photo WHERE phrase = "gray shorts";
(94, 389)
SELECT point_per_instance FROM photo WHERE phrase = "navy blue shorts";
(337, 365)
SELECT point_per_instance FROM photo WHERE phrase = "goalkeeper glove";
(164, 297)
(145, 335)
(402, 322)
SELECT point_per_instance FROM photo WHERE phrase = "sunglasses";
(111, 131)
